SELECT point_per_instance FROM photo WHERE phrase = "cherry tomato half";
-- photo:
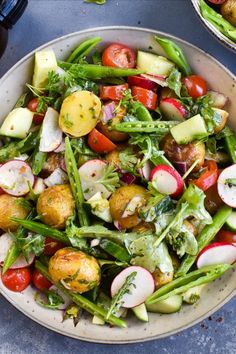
(196, 86)
(99, 142)
(40, 281)
(147, 97)
(114, 93)
(209, 177)
(226, 236)
(16, 279)
(119, 56)
(51, 246)
(32, 106)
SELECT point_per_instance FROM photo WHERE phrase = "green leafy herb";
(32, 243)
(110, 178)
(21, 101)
(231, 182)
(117, 300)
(174, 82)
(53, 301)
(128, 160)
(72, 312)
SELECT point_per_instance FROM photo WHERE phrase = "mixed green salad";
(118, 180)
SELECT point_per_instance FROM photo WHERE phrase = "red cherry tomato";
(119, 56)
(39, 280)
(147, 97)
(209, 177)
(51, 246)
(196, 86)
(32, 106)
(16, 279)
(99, 142)
(114, 93)
(226, 236)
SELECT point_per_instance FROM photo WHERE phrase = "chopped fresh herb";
(231, 182)
(110, 178)
(53, 300)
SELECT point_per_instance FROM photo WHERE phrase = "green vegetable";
(230, 142)
(115, 250)
(38, 158)
(21, 101)
(110, 179)
(170, 305)
(54, 300)
(31, 244)
(12, 255)
(205, 237)
(174, 82)
(218, 21)
(140, 312)
(175, 54)
(158, 127)
(135, 108)
(116, 301)
(83, 49)
(75, 184)
(98, 2)
(182, 284)
(82, 302)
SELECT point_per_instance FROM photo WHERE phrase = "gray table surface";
(45, 20)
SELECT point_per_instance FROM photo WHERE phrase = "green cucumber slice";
(192, 129)
(154, 64)
(231, 221)
(140, 312)
(170, 305)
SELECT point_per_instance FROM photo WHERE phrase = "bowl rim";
(118, 341)
(225, 41)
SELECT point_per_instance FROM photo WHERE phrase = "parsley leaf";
(110, 178)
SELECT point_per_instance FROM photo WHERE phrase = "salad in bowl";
(118, 184)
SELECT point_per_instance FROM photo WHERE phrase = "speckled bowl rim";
(225, 41)
(148, 338)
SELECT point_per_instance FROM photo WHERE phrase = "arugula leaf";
(32, 243)
(174, 81)
(53, 301)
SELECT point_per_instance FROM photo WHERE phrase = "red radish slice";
(142, 82)
(61, 147)
(143, 287)
(51, 136)
(5, 243)
(39, 186)
(117, 225)
(159, 80)
(217, 253)
(146, 170)
(90, 173)
(22, 262)
(16, 177)
(58, 176)
(167, 180)
(67, 301)
(219, 99)
(172, 109)
(227, 191)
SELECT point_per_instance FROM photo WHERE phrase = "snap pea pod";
(82, 302)
(75, 184)
(21, 101)
(230, 142)
(96, 72)
(83, 49)
(38, 159)
(161, 127)
(205, 237)
(175, 53)
(182, 284)
(12, 255)
(115, 250)
(142, 113)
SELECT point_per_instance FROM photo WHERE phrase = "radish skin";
(217, 253)
(167, 180)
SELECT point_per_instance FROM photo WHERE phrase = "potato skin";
(161, 279)
(188, 153)
(55, 205)
(228, 11)
(119, 201)
(113, 157)
(106, 129)
(77, 269)
(54, 160)
(10, 207)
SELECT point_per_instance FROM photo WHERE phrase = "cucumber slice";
(192, 129)
(115, 250)
(17, 123)
(154, 64)
(193, 295)
(140, 312)
(100, 207)
(45, 61)
(98, 320)
(170, 305)
(231, 221)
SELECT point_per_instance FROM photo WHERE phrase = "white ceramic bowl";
(212, 29)
(218, 292)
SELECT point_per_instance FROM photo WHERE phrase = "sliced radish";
(117, 225)
(39, 186)
(167, 180)
(51, 136)
(173, 109)
(61, 147)
(142, 82)
(143, 286)
(219, 100)
(58, 176)
(227, 190)
(16, 177)
(146, 170)
(5, 243)
(90, 174)
(217, 253)
(67, 301)
(22, 262)
(158, 79)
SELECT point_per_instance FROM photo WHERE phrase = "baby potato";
(79, 113)
(11, 207)
(228, 11)
(75, 269)
(120, 200)
(54, 160)
(56, 205)
(161, 279)
(113, 157)
(109, 132)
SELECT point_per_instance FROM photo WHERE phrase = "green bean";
(145, 127)
(81, 301)
(96, 72)
(205, 237)
(181, 285)
(75, 184)
(230, 142)
(83, 49)
(12, 255)
(175, 53)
